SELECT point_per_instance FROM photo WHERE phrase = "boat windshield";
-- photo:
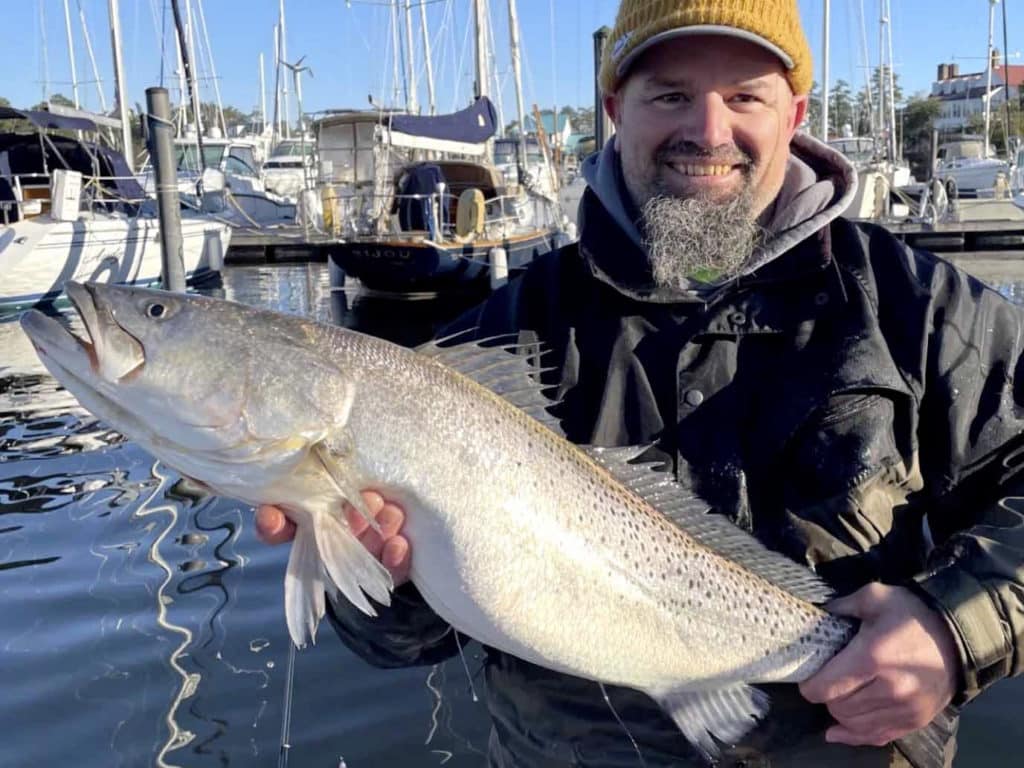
(188, 156)
(291, 149)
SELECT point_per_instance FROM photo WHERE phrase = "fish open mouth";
(105, 349)
(82, 300)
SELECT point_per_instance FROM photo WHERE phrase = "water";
(143, 625)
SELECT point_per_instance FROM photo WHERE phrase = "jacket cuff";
(980, 636)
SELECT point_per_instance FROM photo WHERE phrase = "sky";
(348, 46)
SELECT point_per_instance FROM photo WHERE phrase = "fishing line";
(465, 666)
(286, 714)
(632, 741)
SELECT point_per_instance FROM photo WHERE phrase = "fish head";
(205, 384)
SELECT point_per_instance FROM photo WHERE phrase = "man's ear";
(797, 112)
(611, 106)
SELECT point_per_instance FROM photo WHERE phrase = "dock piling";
(165, 174)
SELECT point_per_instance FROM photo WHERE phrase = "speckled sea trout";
(574, 559)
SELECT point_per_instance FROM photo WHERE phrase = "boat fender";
(470, 214)
(498, 258)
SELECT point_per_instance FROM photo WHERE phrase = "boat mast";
(284, 80)
(263, 98)
(426, 55)
(1006, 88)
(213, 69)
(277, 84)
(122, 100)
(988, 72)
(71, 53)
(825, 73)
(412, 102)
(179, 25)
(482, 86)
(513, 29)
(92, 59)
(892, 84)
(867, 77)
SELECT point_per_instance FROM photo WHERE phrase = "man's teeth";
(688, 169)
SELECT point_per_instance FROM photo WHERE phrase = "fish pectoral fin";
(331, 453)
(707, 717)
(304, 588)
(350, 567)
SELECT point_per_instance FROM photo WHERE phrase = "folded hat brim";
(700, 29)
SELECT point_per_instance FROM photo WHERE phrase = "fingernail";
(374, 502)
(389, 516)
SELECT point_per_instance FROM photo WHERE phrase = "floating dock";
(275, 245)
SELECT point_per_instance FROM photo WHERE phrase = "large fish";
(574, 559)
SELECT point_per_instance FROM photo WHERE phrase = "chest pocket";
(844, 445)
(850, 469)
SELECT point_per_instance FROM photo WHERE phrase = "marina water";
(143, 623)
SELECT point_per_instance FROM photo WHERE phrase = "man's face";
(705, 116)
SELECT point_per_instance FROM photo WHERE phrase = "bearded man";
(850, 401)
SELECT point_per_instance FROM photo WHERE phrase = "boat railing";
(365, 213)
(33, 195)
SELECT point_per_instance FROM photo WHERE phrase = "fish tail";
(933, 746)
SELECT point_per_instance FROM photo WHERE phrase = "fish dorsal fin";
(714, 531)
(507, 367)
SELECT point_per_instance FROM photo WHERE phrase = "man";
(851, 402)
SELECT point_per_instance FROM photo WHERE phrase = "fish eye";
(155, 310)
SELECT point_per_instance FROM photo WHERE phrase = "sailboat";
(416, 203)
(70, 209)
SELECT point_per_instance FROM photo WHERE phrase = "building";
(547, 120)
(963, 95)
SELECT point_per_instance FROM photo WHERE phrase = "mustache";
(687, 150)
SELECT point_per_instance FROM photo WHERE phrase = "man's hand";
(392, 549)
(894, 677)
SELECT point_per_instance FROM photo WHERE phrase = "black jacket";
(853, 402)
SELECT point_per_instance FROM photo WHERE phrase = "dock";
(275, 245)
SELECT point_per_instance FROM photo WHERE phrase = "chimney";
(954, 70)
(997, 58)
(943, 72)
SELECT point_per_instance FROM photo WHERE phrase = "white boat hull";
(39, 255)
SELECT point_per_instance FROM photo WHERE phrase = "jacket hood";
(819, 185)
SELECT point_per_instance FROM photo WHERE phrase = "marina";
(144, 620)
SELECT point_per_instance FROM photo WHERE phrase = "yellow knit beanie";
(773, 24)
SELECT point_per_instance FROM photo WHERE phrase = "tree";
(917, 119)
(840, 108)
(812, 121)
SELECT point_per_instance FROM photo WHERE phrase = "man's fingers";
(273, 526)
(395, 557)
(865, 603)
(839, 734)
(359, 524)
(845, 674)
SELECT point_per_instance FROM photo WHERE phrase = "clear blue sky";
(348, 46)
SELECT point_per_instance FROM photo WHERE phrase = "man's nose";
(711, 126)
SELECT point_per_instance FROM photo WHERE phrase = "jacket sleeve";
(405, 634)
(971, 444)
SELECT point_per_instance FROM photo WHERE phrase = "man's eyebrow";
(759, 85)
(657, 81)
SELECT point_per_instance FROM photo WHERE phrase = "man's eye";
(745, 98)
(670, 98)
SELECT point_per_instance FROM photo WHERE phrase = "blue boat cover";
(43, 119)
(473, 125)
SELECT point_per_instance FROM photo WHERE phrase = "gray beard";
(699, 239)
